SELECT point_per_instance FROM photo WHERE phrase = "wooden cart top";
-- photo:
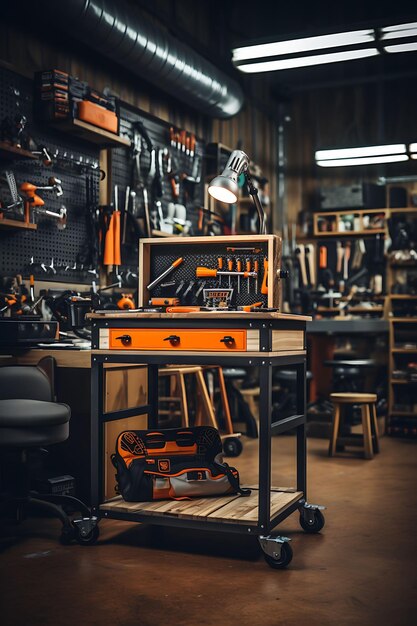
(226, 315)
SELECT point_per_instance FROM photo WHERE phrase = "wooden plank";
(287, 340)
(200, 314)
(230, 509)
(164, 353)
(252, 340)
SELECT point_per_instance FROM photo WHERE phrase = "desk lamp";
(225, 187)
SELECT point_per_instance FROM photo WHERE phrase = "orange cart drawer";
(177, 339)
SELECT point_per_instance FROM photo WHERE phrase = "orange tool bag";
(173, 463)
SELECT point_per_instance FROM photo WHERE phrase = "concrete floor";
(360, 570)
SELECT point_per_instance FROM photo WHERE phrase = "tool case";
(193, 279)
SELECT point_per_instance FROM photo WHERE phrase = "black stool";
(30, 419)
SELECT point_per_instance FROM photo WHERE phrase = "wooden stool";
(369, 422)
(179, 373)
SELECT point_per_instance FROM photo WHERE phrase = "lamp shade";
(224, 189)
(225, 186)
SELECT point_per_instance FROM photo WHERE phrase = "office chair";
(30, 419)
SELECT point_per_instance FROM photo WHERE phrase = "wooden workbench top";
(199, 315)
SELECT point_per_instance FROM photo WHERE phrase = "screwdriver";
(248, 268)
(239, 269)
(230, 268)
(256, 268)
(204, 272)
(220, 266)
(157, 280)
(264, 286)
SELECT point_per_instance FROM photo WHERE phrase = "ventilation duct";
(112, 29)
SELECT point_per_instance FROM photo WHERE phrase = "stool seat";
(369, 439)
(349, 397)
(22, 412)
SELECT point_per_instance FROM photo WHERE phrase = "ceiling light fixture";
(323, 49)
(388, 158)
(365, 151)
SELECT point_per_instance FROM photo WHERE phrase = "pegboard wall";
(67, 250)
(190, 195)
(64, 255)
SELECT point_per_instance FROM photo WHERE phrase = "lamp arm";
(254, 193)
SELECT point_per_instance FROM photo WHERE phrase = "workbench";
(265, 340)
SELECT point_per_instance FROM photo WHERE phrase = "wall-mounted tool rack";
(156, 255)
(25, 247)
(191, 195)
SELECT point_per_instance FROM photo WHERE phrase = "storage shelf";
(405, 350)
(399, 381)
(404, 296)
(403, 320)
(11, 152)
(352, 233)
(402, 413)
(91, 133)
(6, 223)
(226, 509)
(162, 233)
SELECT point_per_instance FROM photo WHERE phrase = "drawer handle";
(227, 339)
(125, 339)
(173, 339)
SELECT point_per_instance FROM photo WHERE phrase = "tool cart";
(238, 338)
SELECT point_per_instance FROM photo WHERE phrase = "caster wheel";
(284, 559)
(315, 525)
(232, 446)
(67, 536)
(87, 540)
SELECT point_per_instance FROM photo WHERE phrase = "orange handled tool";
(182, 309)
(249, 307)
(248, 268)
(192, 145)
(220, 266)
(230, 269)
(323, 257)
(239, 269)
(264, 286)
(256, 269)
(164, 301)
(204, 272)
(172, 267)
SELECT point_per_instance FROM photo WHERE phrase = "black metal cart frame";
(266, 363)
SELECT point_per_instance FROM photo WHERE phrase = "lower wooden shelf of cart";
(232, 509)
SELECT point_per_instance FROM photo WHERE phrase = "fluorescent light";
(402, 47)
(413, 147)
(344, 153)
(413, 156)
(389, 158)
(399, 31)
(286, 64)
(302, 45)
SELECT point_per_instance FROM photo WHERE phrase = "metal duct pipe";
(110, 28)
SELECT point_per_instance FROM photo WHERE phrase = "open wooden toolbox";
(252, 251)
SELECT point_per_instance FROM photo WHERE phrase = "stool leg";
(335, 429)
(374, 428)
(225, 402)
(366, 425)
(206, 399)
(183, 397)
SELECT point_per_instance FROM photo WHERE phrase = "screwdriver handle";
(264, 287)
(202, 272)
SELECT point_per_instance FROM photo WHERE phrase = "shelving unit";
(6, 223)
(7, 151)
(337, 218)
(402, 311)
(91, 133)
